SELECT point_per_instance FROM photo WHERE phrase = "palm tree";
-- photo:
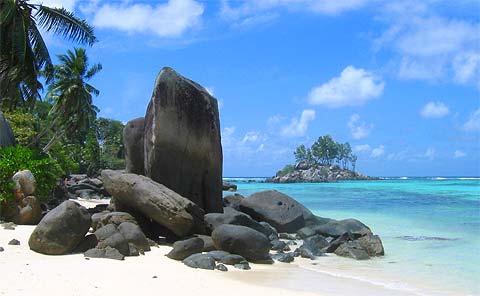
(73, 109)
(23, 53)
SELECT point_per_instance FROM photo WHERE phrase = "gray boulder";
(352, 249)
(25, 182)
(202, 261)
(315, 244)
(337, 228)
(226, 257)
(134, 235)
(233, 201)
(133, 141)
(279, 210)
(109, 236)
(372, 244)
(231, 216)
(107, 253)
(183, 249)
(182, 140)
(60, 231)
(207, 242)
(7, 138)
(334, 244)
(155, 201)
(241, 240)
(284, 257)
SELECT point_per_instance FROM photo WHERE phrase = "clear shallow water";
(430, 229)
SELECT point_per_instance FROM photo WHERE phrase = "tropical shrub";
(286, 170)
(45, 169)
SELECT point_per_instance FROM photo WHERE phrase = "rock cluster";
(24, 208)
(318, 174)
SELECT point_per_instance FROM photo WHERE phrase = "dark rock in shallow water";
(372, 244)
(315, 244)
(202, 261)
(284, 257)
(183, 150)
(133, 142)
(229, 187)
(352, 249)
(287, 236)
(241, 240)
(183, 249)
(155, 201)
(337, 228)
(107, 253)
(61, 230)
(278, 209)
(304, 252)
(334, 244)
(221, 267)
(233, 201)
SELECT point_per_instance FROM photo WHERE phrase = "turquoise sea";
(430, 229)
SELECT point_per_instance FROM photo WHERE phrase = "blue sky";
(399, 80)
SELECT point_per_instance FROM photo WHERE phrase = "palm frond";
(65, 23)
(93, 70)
(40, 50)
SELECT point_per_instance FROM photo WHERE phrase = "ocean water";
(430, 228)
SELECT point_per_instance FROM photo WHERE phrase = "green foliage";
(286, 170)
(23, 125)
(326, 151)
(46, 170)
(91, 154)
(24, 56)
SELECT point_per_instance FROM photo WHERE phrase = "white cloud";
(359, 129)
(274, 120)
(254, 12)
(430, 47)
(459, 154)
(379, 151)
(170, 19)
(298, 127)
(353, 87)
(434, 110)
(361, 148)
(251, 137)
(227, 136)
(430, 153)
(473, 123)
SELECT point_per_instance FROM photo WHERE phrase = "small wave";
(398, 286)
(469, 178)
(403, 178)
(425, 238)
(440, 178)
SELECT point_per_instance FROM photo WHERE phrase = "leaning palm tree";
(73, 109)
(23, 53)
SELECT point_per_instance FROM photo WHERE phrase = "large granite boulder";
(133, 142)
(281, 211)
(61, 230)
(182, 140)
(7, 137)
(241, 240)
(372, 244)
(337, 228)
(352, 249)
(155, 201)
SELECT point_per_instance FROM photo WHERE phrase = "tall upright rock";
(134, 146)
(6, 133)
(183, 149)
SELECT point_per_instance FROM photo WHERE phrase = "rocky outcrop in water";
(317, 174)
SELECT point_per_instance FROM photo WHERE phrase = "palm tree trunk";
(52, 141)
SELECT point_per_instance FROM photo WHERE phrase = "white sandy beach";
(25, 272)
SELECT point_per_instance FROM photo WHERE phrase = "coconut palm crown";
(24, 56)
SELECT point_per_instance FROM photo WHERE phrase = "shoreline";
(33, 273)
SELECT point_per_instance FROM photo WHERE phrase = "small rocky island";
(171, 193)
(325, 161)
